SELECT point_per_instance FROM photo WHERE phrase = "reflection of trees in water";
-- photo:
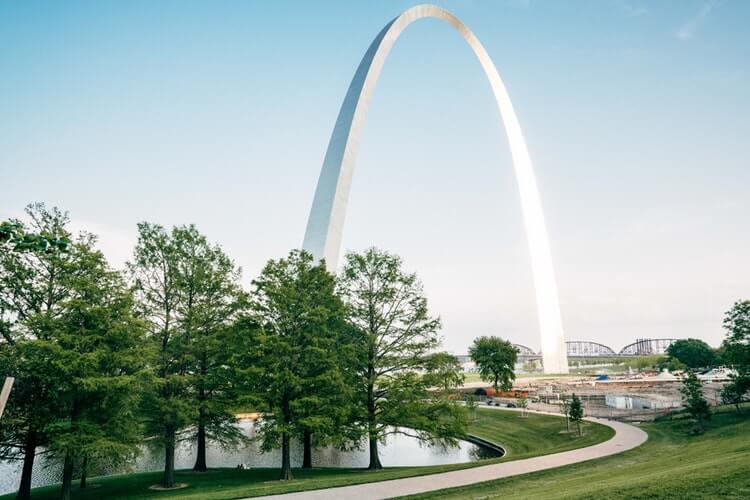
(478, 452)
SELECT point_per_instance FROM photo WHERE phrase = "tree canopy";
(736, 347)
(693, 353)
(393, 335)
(300, 380)
(496, 359)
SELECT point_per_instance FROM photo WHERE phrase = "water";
(398, 450)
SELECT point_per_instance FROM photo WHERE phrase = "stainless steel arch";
(326, 221)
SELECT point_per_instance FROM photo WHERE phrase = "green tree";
(565, 408)
(32, 289)
(169, 405)
(445, 371)
(471, 407)
(523, 403)
(211, 299)
(100, 354)
(736, 350)
(300, 379)
(393, 334)
(495, 359)
(736, 391)
(575, 410)
(693, 353)
(695, 402)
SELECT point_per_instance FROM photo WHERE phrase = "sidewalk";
(626, 437)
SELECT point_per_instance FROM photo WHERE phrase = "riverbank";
(521, 437)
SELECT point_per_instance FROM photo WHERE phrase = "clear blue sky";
(218, 113)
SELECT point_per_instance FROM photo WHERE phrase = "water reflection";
(398, 450)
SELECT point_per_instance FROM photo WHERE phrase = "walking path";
(626, 437)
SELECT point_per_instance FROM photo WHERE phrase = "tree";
(523, 403)
(445, 371)
(694, 353)
(735, 391)
(100, 353)
(169, 405)
(576, 412)
(565, 407)
(300, 381)
(471, 407)
(496, 359)
(211, 299)
(393, 335)
(32, 289)
(695, 402)
(736, 350)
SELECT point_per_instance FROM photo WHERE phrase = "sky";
(218, 113)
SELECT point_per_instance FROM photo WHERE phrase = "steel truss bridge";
(588, 349)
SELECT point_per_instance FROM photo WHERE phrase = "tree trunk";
(29, 453)
(67, 478)
(578, 424)
(286, 464)
(372, 425)
(168, 480)
(200, 461)
(307, 450)
(84, 471)
(374, 458)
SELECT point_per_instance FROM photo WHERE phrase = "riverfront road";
(626, 437)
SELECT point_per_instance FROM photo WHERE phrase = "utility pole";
(5, 394)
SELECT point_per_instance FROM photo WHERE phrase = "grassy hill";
(670, 465)
(521, 437)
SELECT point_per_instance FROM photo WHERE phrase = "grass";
(671, 465)
(521, 437)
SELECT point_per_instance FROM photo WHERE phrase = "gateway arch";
(326, 221)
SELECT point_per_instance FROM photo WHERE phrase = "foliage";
(736, 345)
(445, 371)
(14, 237)
(33, 287)
(736, 391)
(695, 402)
(575, 411)
(496, 359)
(471, 407)
(301, 380)
(523, 403)
(212, 298)
(393, 335)
(168, 403)
(693, 353)
(736, 352)
(565, 407)
(100, 353)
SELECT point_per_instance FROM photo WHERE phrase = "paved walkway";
(626, 437)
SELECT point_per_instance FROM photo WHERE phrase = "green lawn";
(522, 438)
(670, 465)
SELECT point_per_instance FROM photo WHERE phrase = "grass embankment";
(670, 465)
(521, 437)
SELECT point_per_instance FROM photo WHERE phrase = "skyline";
(677, 263)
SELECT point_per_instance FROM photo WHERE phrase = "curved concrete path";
(626, 437)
